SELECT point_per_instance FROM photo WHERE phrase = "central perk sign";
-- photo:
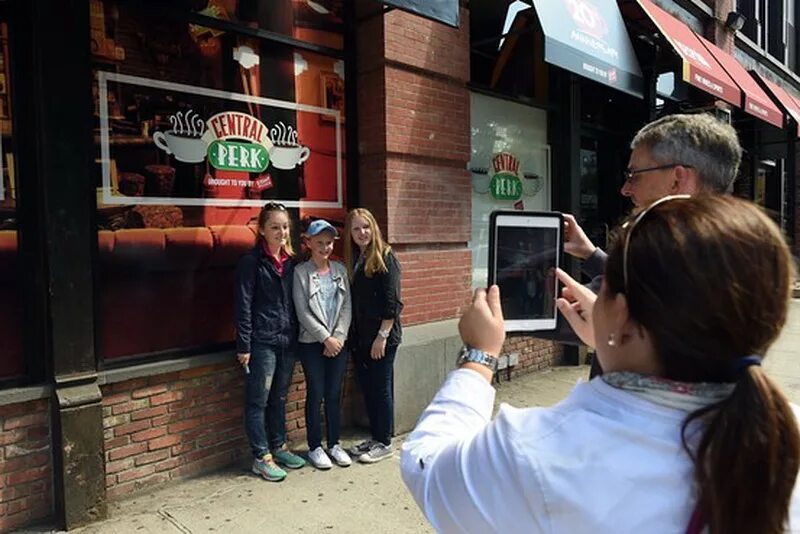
(236, 155)
(505, 184)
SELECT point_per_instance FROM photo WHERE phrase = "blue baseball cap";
(319, 226)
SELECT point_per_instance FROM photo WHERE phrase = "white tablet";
(525, 249)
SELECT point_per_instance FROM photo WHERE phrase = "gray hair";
(701, 141)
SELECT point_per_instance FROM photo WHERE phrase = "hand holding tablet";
(525, 249)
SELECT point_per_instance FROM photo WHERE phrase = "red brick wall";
(172, 426)
(26, 478)
(414, 146)
(534, 354)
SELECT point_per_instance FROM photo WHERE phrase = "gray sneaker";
(357, 450)
(377, 452)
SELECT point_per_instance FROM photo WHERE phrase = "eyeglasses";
(628, 174)
(274, 206)
(630, 225)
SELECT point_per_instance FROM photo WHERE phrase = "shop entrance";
(607, 126)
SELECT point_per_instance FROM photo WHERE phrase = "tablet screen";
(526, 257)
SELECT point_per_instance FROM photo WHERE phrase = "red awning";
(782, 97)
(755, 100)
(699, 67)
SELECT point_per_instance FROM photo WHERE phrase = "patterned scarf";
(685, 396)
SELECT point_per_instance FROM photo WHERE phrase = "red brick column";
(720, 35)
(26, 476)
(414, 134)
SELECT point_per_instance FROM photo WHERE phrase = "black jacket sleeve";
(245, 288)
(391, 288)
(595, 265)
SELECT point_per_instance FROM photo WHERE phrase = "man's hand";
(576, 304)
(482, 326)
(244, 358)
(576, 243)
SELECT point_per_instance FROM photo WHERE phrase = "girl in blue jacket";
(266, 335)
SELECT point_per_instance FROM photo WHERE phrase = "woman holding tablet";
(683, 433)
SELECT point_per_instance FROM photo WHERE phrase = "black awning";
(445, 11)
(588, 37)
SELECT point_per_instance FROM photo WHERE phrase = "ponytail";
(747, 460)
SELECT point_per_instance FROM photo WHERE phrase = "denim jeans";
(266, 388)
(376, 378)
(324, 377)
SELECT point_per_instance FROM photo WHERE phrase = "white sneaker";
(339, 456)
(319, 459)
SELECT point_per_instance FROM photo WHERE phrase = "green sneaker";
(286, 457)
(267, 469)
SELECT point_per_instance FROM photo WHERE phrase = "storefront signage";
(235, 156)
(445, 11)
(588, 37)
(231, 154)
(505, 184)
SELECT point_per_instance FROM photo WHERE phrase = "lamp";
(735, 21)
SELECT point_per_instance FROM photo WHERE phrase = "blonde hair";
(377, 249)
(263, 217)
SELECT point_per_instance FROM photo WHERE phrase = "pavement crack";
(174, 521)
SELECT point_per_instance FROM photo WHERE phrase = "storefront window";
(510, 166)
(11, 361)
(196, 128)
(320, 22)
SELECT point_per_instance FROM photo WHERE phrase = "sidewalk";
(357, 499)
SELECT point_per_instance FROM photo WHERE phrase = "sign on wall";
(215, 148)
(445, 11)
(510, 167)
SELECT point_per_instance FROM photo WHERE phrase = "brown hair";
(263, 217)
(709, 279)
(377, 249)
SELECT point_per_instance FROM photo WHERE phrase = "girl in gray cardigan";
(322, 302)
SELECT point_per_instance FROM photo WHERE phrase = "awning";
(699, 67)
(782, 97)
(755, 100)
(588, 37)
(445, 11)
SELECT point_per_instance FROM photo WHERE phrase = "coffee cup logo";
(184, 140)
(286, 153)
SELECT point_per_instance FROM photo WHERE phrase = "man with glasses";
(676, 154)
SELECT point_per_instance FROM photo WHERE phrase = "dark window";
(196, 128)
(776, 30)
(11, 298)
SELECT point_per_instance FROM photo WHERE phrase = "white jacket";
(602, 460)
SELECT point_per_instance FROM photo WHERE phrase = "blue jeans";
(324, 377)
(266, 388)
(376, 378)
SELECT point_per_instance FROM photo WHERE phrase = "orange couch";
(11, 362)
(164, 289)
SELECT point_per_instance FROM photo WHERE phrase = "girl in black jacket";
(375, 331)
(266, 339)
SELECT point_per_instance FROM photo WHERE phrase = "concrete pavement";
(353, 500)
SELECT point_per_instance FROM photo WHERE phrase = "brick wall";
(172, 426)
(26, 478)
(534, 354)
(414, 146)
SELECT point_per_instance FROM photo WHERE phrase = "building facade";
(140, 139)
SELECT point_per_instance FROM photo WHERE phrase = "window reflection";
(196, 128)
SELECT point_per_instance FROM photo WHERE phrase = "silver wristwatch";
(385, 333)
(471, 354)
